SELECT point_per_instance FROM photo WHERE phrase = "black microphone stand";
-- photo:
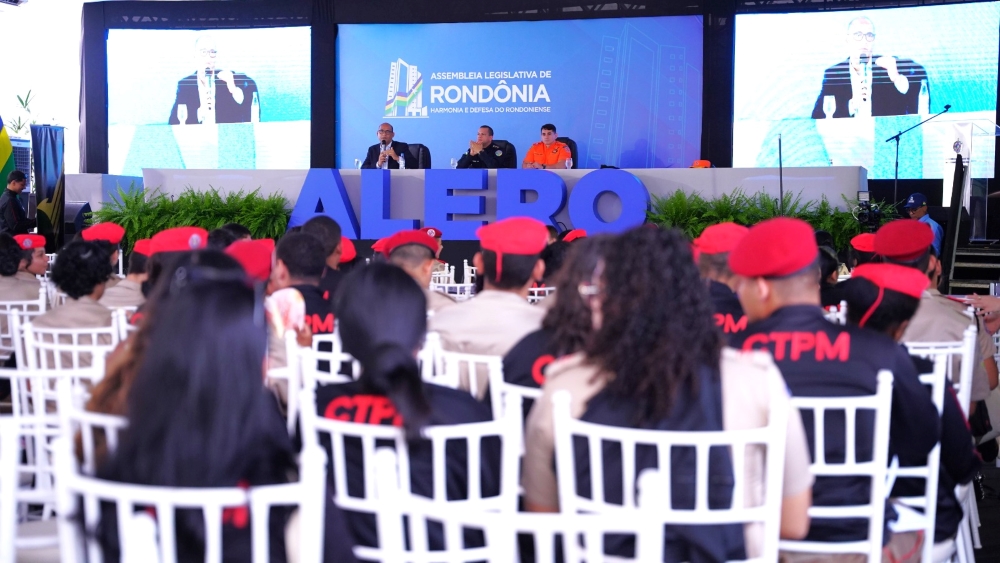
(895, 183)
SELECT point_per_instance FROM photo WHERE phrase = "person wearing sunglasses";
(868, 84)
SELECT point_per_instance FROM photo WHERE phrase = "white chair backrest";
(964, 351)
(75, 419)
(154, 539)
(837, 314)
(56, 351)
(472, 372)
(655, 504)
(123, 316)
(469, 273)
(536, 294)
(457, 291)
(579, 536)
(121, 263)
(10, 456)
(329, 348)
(876, 469)
(27, 309)
(923, 513)
(431, 357)
(340, 433)
(445, 276)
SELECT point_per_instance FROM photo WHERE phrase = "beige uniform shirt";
(490, 323)
(939, 319)
(28, 278)
(746, 404)
(437, 301)
(112, 282)
(13, 288)
(76, 313)
(126, 293)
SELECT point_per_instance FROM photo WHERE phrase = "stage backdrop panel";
(795, 77)
(162, 115)
(628, 91)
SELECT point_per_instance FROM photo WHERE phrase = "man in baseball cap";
(916, 206)
(779, 289)
(500, 316)
(712, 250)
(414, 252)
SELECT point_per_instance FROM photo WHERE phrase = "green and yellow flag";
(6, 154)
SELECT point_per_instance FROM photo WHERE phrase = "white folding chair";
(123, 316)
(837, 314)
(876, 469)
(457, 291)
(943, 355)
(329, 348)
(430, 357)
(146, 538)
(472, 372)
(445, 276)
(469, 273)
(91, 427)
(342, 435)
(655, 504)
(10, 455)
(537, 294)
(26, 309)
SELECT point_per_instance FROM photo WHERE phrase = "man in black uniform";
(328, 231)
(712, 250)
(779, 291)
(13, 219)
(484, 153)
(299, 263)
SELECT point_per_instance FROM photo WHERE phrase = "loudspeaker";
(74, 218)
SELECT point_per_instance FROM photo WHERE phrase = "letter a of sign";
(323, 193)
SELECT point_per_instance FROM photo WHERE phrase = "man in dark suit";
(484, 153)
(387, 153)
(870, 85)
(210, 95)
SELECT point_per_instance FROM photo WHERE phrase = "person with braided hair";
(657, 361)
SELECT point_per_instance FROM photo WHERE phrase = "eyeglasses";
(385, 131)
(858, 36)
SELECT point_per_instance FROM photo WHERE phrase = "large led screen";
(835, 85)
(627, 91)
(233, 98)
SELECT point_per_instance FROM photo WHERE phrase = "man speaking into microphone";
(387, 154)
(210, 95)
(871, 85)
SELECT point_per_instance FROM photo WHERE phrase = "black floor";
(989, 517)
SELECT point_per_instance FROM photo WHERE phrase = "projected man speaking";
(867, 84)
(211, 95)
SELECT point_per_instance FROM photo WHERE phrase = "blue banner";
(47, 146)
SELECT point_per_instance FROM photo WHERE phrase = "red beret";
(432, 232)
(720, 238)
(179, 239)
(902, 279)
(254, 256)
(29, 242)
(774, 248)
(142, 246)
(903, 240)
(379, 245)
(574, 234)
(865, 242)
(347, 250)
(402, 238)
(517, 235)
(109, 232)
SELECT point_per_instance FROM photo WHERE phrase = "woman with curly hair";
(657, 361)
(81, 273)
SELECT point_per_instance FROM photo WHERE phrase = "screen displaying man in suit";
(387, 154)
(211, 95)
(867, 84)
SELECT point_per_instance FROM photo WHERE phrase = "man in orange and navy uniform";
(777, 262)
(712, 249)
(548, 153)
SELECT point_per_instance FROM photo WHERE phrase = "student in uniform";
(13, 288)
(128, 292)
(81, 272)
(220, 239)
(657, 361)
(173, 441)
(553, 256)
(328, 231)
(779, 291)
(34, 260)
(110, 235)
(349, 258)
(435, 233)
(830, 293)
(165, 248)
(239, 231)
(255, 256)
(383, 321)
(493, 321)
(567, 323)
(884, 297)
(414, 252)
(909, 243)
(712, 250)
(862, 249)
(299, 263)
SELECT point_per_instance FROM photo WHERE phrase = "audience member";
(255, 256)
(349, 258)
(414, 251)
(34, 260)
(553, 234)
(329, 233)
(128, 292)
(656, 361)
(81, 272)
(830, 293)
(220, 239)
(712, 249)
(553, 256)
(239, 231)
(109, 235)
(12, 287)
(779, 291)
(862, 249)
